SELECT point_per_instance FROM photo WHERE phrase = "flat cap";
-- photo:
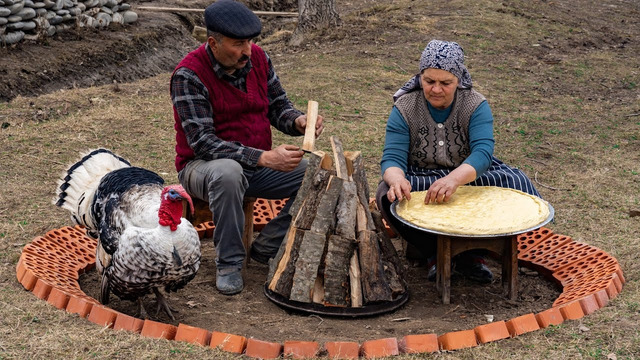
(232, 19)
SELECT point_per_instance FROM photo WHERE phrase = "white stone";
(130, 17)
(28, 3)
(41, 12)
(5, 11)
(12, 37)
(75, 11)
(27, 13)
(28, 26)
(38, 5)
(14, 26)
(118, 18)
(81, 6)
(48, 4)
(124, 6)
(59, 5)
(3, 21)
(17, 7)
(51, 30)
(110, 3)
(14, 18)
(106, 10)
(55, 20)
(103, 19)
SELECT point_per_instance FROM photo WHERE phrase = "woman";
(439, 136)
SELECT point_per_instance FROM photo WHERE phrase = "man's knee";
(226, 173)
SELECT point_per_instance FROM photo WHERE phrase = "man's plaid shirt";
(191, 100)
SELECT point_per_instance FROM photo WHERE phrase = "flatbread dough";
(476, 210)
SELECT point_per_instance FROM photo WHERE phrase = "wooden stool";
(202, 214)
(450, 246)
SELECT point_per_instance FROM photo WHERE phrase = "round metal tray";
(408, 223)
(313, 308)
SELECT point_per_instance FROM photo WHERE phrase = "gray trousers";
(223, 183)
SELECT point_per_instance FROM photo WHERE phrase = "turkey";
(143, 242)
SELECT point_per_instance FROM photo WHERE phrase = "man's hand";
(301, 124)
(283, 158)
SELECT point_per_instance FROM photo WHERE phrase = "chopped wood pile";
(337, 252)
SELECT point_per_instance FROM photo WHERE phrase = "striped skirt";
(498, 174)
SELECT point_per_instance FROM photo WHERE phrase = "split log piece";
(336, 274)
(324, 221)
(306, 267)
(374, 284)
(309, 207)
(309, 141)
(354, 280)
(355, 162)
(281, 280)
(316, 163)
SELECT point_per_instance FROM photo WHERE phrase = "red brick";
(201, 229)
(228, 342)
(379, 348)
(58, 298)
(277, 205)
(20, 269)
(262, 214)
(79, 305)
(262, 349)
(491, 332)
(571, 311)
(522, 324)
(548, 317)
(41, 289)
(103, 316)
(602, 297)
(158, 330)
(192, 334)
(342, 349)
(209, 226)
(543, 247)
(128, 323)
(29, 279)
(458, 340)
(413, 344)
(589, 304)
(301, 349)
(530, 239)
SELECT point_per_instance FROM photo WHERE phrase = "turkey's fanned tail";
(78, 184)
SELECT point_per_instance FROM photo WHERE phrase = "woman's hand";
(399, 186)
(442, 189)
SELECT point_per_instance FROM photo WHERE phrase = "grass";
(572, 125)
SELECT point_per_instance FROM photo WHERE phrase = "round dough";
(476, 210)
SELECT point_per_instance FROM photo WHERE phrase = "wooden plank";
(306, 268)
(310, 130)
(510, 266)
(336, 271)
(374, 285)
(354, 280)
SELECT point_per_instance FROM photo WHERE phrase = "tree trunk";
(314, 14)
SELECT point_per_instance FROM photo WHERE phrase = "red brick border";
(50, 265)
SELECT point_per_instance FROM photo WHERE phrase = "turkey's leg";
(163, 304)
(141, 311)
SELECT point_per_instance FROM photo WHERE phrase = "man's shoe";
(474, 268)
(259, 257)
(229, 281)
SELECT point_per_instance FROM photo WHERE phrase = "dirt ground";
(563, 86)
(252, 314)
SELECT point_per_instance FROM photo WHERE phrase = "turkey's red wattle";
(170, 214)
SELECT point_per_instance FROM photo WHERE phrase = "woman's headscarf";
(444, 55)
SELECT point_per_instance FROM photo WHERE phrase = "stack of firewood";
(337, 252)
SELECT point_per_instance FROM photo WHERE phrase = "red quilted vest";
(238, 116)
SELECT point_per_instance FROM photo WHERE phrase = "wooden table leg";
(444, 265)
(510, 267)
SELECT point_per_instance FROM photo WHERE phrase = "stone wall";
(34, 19)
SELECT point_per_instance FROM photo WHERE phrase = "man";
(225, 97)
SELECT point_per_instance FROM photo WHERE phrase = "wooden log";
(201, 11)
(324, 221)
(388, 251)
(336, 271)
(306, 267)
(354, 280)
(346, 210)
(338, 156)
(374, 285)
(317, 160)
(310, 130)
(309, 207)
(283, 267)
(356, 163)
